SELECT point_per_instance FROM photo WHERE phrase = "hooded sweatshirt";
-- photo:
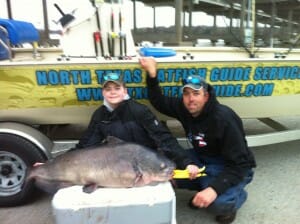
(217, 133)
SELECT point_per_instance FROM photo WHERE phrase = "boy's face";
(114, 94)
(194, 100)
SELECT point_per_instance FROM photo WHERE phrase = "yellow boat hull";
(69, 91)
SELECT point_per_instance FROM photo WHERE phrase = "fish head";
(155, 168)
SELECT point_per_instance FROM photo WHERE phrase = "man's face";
(194, 100)
(114, 94)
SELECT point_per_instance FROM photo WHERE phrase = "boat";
(43, 89)
(50, 81)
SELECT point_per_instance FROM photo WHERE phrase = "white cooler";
(141, 205)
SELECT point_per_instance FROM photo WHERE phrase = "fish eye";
(162, 165)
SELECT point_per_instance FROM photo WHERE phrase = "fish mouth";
(166, 175)
(170, 173)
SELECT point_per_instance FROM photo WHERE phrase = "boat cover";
(19, 31)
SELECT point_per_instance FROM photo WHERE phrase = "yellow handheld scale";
(184, 174)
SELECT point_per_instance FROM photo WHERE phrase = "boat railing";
(4, 42)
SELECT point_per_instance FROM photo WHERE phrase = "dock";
(272, 23)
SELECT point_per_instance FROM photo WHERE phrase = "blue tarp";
(19, 31)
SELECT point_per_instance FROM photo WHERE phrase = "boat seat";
(19, 31)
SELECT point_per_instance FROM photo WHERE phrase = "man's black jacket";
(216, 132)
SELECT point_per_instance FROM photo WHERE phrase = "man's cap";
(112, 77)
(195, 82)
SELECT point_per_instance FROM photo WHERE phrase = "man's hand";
(193, 171)
(205, 197)
(149, 64)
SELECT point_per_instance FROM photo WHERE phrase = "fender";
(29, 133)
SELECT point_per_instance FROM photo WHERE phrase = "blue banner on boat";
(157, 52)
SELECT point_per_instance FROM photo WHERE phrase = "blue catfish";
(115, 164)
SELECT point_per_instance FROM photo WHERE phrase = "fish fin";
(89, 188)
(50, 186)
(137, 180)
(113, 140)
(138, 173)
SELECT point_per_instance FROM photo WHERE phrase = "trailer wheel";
(16, 156)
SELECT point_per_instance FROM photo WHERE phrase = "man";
(218, 139)
(126, 119)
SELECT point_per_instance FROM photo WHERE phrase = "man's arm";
(237, 157)
(161, 135)
(238, 161)
(164, 104)
(170, 106)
